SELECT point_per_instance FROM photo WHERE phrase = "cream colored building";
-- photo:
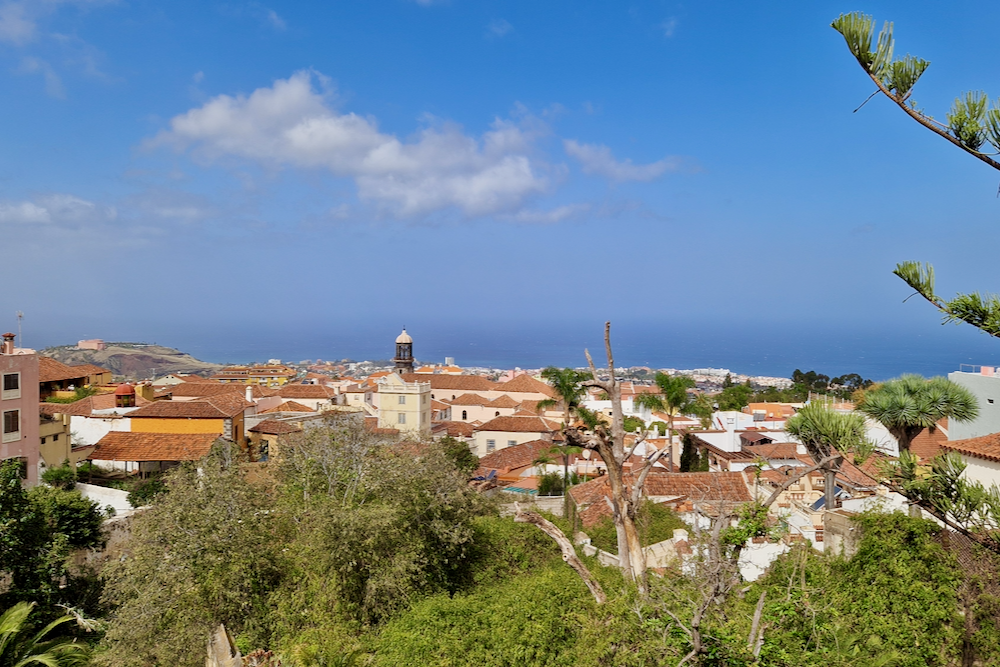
(502, 432)
(404, 405)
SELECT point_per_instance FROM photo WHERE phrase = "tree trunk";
(830, 489)
(568, 552)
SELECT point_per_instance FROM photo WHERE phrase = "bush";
(60, 477)
(143, 492)
(655, 522)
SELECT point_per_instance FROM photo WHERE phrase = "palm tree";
(826, 433)
(910, 403)
(673, 399)
(20, 646)
(566, 383)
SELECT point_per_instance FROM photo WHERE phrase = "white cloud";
(19, 18)
(598, 160)
(276, 21)
(16, 26)
(499, 27)
(668, 27)
(55, 209)
(551, 216)
(53, 84)
(291, 124)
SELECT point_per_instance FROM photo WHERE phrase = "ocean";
(748, 349)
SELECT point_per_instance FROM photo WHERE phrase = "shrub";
(143, 492)
(60, 477)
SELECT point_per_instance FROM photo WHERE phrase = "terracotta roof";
(90, 369)
(458, 429)
(274, 427)
(439, 405)
(306, 391)
(503, 402)
(984, 447)
(729, 487)
(289, 406)
(517, 456)
(463, 383)
(526, 384)
(356, 389)
(928, 443)
(775, 450)
(85, 406)
(214, 407)
(50, 370)
(212, 388)
(469, 399)
(127, 446)
(517, 425)
(753, 437)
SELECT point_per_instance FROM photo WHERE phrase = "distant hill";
(137, 361)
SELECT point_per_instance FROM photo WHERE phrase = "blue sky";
(327, 171)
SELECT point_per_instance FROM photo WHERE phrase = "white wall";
(88, 430)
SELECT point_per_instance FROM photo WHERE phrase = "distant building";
(269, 375)
(984, 383)
(93, 344)
(19, 406)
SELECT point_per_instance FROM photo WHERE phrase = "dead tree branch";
(568, 552)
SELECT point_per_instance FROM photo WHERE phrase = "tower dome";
(404, 338)
(125, 396)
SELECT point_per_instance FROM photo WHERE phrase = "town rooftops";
(469, 399)
(985, 447)
(51, 370)
(516, 456)
(503, 402)
(526, 384)
(289, 406)
(212, 388)
(274, 427)
(85, 406)
(128, 446)
(223, 406)
(306, 391)
(517, 425)
(711, 487)
(463, 383)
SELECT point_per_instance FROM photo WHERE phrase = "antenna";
(20, 316)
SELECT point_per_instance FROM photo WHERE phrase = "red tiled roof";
(503, 402)
(214, 407)
(526, 384)
(469, 399)
(458, 429)
(212, 388)
(85, 406)
(775, 450)
(517, 456)
(289, 406)
(984, 447)
(127, 446)
(928, 443)
(90, 369)
(306, 391)
(274, 427)
(517, 425)
(729, 487)
(50, 370)
(463, 383)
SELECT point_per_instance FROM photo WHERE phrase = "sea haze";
(772, 350)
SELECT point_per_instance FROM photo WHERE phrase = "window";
(11, 425)
(465, 415)
(402, 418)
(491, 445)
(402, 399)
(511, 443)
(11, 386)
(43, 439)
(55, 438)
(497, 414)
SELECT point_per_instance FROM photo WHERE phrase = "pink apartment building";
(19, 405)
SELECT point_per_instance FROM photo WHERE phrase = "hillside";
(134, 360)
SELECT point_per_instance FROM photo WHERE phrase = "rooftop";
(127, 446)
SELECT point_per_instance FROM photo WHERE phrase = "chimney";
(249, 394)
(8, 344)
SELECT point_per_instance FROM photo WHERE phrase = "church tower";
(404, 353)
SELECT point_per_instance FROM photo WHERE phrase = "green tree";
(972, 123)
(570, 394)
(21, 644)
(827, 435)
(910, 403)
(459, 454)
(673, 399)
(735, 397)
